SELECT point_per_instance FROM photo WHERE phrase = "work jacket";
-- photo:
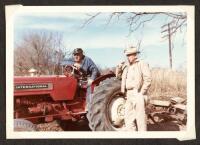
(87, 66)
(136, 76)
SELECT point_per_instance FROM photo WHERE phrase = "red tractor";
(46, 98)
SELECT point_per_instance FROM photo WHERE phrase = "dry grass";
(165, 83)
(168, 83)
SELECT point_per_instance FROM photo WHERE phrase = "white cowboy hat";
(131, 50)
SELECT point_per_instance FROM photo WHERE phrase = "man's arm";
(95, 72)
(93, 69)
(123, 82)
(146, 74)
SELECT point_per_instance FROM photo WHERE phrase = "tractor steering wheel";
(70, 70)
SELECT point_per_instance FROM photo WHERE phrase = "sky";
(105, 43)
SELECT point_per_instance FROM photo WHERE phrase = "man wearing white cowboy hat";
(136, 80)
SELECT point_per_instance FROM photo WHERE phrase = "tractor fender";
(100, 79)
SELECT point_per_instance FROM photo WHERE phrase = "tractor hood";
(58, 87)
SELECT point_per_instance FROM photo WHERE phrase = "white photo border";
(189, 133)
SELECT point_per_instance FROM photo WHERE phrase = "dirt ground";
(83, 126)
(64, 126)
(155, 122)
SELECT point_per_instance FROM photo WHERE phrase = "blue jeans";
(88, 97)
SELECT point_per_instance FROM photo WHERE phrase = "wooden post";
(168, 31)
(170, 48)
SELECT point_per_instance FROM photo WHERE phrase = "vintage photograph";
(94, 69)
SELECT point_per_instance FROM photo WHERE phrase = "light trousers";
(135, 116)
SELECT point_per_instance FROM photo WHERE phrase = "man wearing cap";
(86, 65)
(136, 80)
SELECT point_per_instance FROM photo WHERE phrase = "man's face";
(132, 57)
(78, 57)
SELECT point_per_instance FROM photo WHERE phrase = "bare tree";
(43, 51)
(136, 20)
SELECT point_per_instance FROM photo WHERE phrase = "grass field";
(165, 83)
(168, 83)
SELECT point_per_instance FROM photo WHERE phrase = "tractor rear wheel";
(106, 110)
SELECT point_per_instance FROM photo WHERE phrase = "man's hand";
(77, 65)
(121, 63)
(119, 69)
(89, 82)
(146, 99)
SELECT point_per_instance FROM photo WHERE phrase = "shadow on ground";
(83, 126)
(75, 126)
(165, 126)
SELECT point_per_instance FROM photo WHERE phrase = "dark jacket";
(87, 65)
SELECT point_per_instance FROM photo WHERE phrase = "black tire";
(98, 115)
(24, 125)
